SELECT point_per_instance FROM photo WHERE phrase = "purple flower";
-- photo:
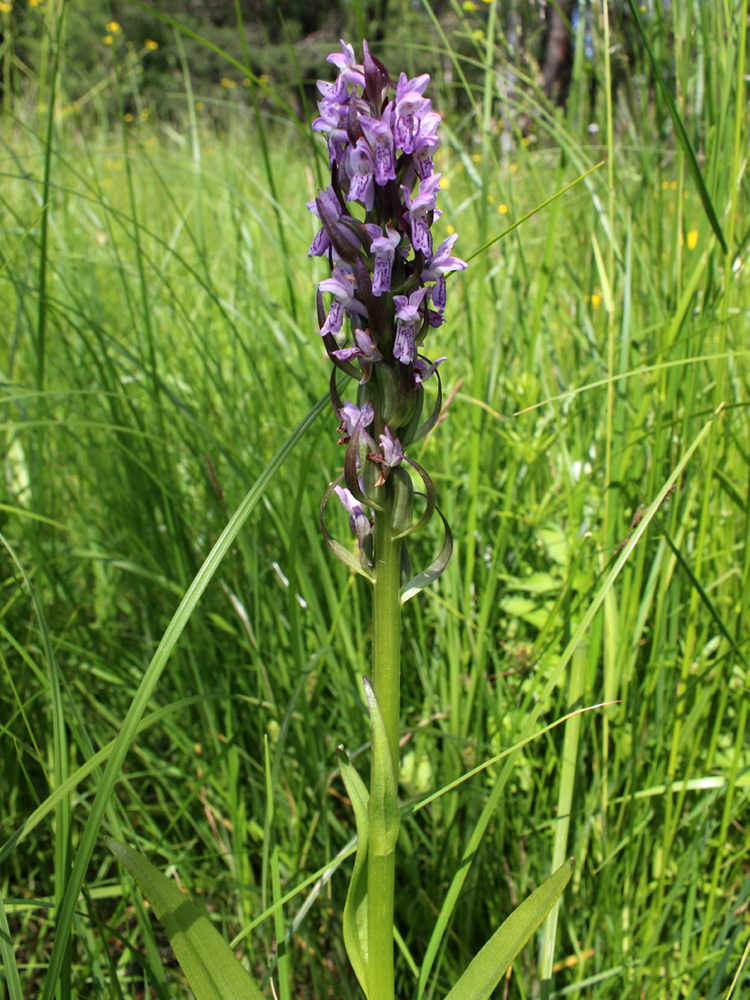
(391, 455)
(366, 350)
(361, 167)
(349, 72)
(441, 261)
(332, 121)
(438, 294)
(334, 319)
(424, 369)
(418, 207)
(380, 138)
(351, 415)
(393, 452)
(407, 314)
(359, 522)
(322, 242)
(425, 144)
(385, 250)
(343, 285)
(404, 86)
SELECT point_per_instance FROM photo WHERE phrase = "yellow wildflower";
(107, 39)
(469, 7)
(596, 301)
(476, 157)
(128, 117)
(451, 230)
(113, 28)
(199, 105)
(229, 84)
(513, 168)
(673, 185)
(6, 8)
(490, 199)
(692, 239)
(502, 209)
(151, 44)
(665, 185)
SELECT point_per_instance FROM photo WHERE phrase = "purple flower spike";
(366, 350)
(380, 139)
(385, 250)
(407, 314)
(388, 284)
(361, 169)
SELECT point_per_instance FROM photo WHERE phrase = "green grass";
(171, 356)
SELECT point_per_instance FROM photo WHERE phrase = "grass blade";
(488, 967)
(682, 136)
(206, 959)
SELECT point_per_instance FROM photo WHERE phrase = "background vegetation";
(160, 347)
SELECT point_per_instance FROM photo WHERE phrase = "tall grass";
(161, 349)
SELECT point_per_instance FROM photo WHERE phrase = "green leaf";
(204, 956)
(489, 966)
(382, 808)
(682, 136)
(355, 911)
(433, 571)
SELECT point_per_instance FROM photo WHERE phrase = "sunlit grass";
(181, 352)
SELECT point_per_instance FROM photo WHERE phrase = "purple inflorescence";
(376, 220)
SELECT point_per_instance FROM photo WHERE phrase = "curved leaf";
(204, 956)
(433, 571)
(488, 967)
(429, 496)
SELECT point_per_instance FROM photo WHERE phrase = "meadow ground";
(159, 348)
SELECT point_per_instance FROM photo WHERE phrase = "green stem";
(386, 669)
(386, 621)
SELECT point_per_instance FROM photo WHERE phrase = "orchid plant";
(385, 294)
